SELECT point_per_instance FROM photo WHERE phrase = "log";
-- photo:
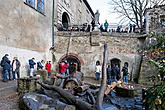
(71, 99)
(63, 106)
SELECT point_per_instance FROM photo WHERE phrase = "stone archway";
(73, 59)
(115, 61)
(65, 21)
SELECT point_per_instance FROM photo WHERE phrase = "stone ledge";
(97, 33)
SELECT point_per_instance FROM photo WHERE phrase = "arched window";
(65, 20)
(73, 59)
(40, 6)
(116, 62)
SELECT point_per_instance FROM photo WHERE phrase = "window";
(31, 2)
(40, 6)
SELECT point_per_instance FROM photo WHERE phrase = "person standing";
(63, 68)
(101, 28)
(109, 74)
(32, 64)
(40, 65)
(118, 75)
(98, 70)
(130, 28)
(16, 68)
(113, 73)
(106, 25)
(125, 72)
(48, 67)
(5, 63)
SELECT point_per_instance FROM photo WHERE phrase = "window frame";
(31, 4)
(35, 6)
(41, 6)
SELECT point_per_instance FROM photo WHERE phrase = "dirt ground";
(8, 95)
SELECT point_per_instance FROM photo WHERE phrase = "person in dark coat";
(109, 74)
(130, 26)
(101, 28)
(40, 65)
(125, 72)
(113, 73)
(16, 68)
(118, 76)
(5, 63)
(93, 24)
(32, 64)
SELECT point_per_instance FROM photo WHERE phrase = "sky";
(104, 10)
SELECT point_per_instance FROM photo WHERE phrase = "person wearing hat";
(16, 68)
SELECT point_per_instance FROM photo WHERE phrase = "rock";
(107, 106)
(34, 101)
(139, 107)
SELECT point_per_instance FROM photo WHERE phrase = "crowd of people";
(113, 72)
(11, 70)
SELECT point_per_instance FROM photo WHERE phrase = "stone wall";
(121, 47)
(24, 27)
(147, 72)
(155, 19)
(24, 32)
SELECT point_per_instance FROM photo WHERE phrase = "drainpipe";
(53, 34)
(53, 25)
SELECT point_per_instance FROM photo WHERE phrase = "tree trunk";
(100, 97)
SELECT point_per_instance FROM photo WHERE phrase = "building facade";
(26, 26)
(73, 12)
(155, 19)
(25, 30)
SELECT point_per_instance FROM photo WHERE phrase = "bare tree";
(134, 10)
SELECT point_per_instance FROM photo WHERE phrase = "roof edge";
(89, 7)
